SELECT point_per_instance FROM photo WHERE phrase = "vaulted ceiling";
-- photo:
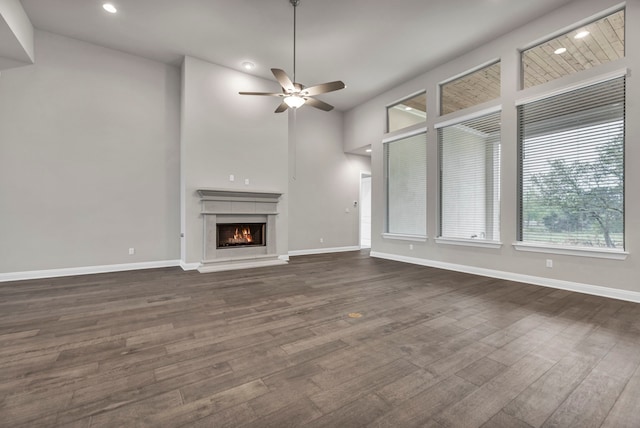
(371, 45)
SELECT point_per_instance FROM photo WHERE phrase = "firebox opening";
(234, 235)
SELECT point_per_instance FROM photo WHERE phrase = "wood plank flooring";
(275, 347)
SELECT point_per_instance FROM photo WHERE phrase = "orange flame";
(242, 235)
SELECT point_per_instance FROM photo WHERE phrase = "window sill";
(600, 253)
(469, 242)
(402, 237)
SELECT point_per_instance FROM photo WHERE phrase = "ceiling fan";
(295, 94)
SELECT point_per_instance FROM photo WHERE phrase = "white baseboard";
(85, 270)
(322, 251)
(596, 290)
(189, 266)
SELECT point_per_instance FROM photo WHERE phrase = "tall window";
(572, 167)
(470, 179)
(406, 180)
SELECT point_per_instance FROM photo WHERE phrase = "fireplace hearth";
(234, 235)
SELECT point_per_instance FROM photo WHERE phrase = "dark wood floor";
(275, 347)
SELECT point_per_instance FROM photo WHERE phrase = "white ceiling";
(371, 45)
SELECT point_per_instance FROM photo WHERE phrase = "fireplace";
(234, 235)
(239, 229)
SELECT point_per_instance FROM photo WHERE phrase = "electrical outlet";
(321, 240)
(232, 177)
(411, 246)
(132, 251)
(246, 181)
(549, 263)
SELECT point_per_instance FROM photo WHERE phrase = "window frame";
(470, 242)
(402, 101)
(564, 32)
(549, 248)
(395, 137)
(466, 74)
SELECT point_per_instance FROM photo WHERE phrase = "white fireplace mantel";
(218, 201)
(230, 206)
(222, 194)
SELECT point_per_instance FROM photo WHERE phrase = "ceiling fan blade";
(318, 104)
(282, 107)
(324, 88)
(261, 93)
(283, 79)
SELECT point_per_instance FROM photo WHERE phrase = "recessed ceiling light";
(407, 108)
(560, 51)
(247, 65)
(581, 34)
(368, 150)
(109, 8)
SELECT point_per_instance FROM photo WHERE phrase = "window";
(407, 113)
(467, 91)
(470, 178)
(406, 180)
(572, 167)
(580, 49)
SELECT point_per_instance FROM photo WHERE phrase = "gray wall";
(326, 183)
(298, 154)
(89, 158)
(101, 151)
(365, 125)
(223, 133)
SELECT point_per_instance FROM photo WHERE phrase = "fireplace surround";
(247, 219)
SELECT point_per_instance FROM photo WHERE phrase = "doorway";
(365, 210)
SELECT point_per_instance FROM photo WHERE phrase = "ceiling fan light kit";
(295, 95)
(294, 101)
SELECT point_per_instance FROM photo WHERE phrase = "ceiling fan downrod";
(294, 94)
(295, 4)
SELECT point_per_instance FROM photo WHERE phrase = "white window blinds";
(470, 179)
(406, 180)
(572, 167)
